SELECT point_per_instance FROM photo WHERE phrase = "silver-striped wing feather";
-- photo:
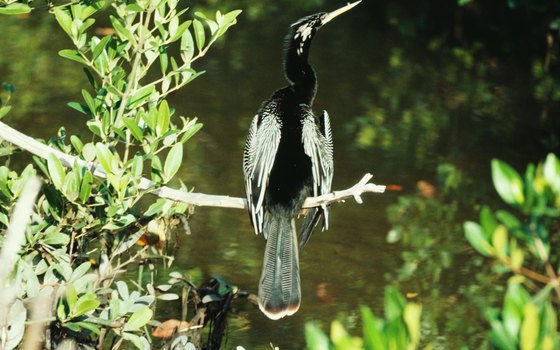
(258, 159)
(318, 145)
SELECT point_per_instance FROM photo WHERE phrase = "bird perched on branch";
(288, 156)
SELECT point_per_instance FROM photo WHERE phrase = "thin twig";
(197, 199)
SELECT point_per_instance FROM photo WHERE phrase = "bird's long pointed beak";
(340, 11)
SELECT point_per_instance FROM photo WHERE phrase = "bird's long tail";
(279, 287)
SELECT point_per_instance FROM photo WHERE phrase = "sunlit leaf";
(551, 172)
(372, 327)
(476, 237)
(190, 132)
(4, 110)
(15, 8)
(168, 296)
(199, 34)
(86, 304)
(80, 270)
(85, 186)
(71, 295)
(89, 326)
(411, 315)
(105, 157)
(180, 31)
(121, 30)
(56, 171)
(73, 55)
(507, 182)
(173, 161)
(163, 118)
(140, 318)
(100, 47)
(315, 338)
(529, 328)
(500, 241)
(76, 143)
(64, 19)
(122, 287)
(187, 46)
(132, 125)
(56, 238)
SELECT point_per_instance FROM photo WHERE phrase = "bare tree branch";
(197, 199)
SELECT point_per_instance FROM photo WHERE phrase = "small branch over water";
(39, 149)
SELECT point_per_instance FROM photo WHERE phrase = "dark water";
(371, 79)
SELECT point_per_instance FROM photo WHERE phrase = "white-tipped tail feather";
(279, 287)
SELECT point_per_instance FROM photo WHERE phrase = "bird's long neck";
(298, 71)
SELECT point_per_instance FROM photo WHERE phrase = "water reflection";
(398, 109)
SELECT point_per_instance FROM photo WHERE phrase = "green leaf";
(85, 186)
(475, 236)
(56, 171)
(229, 19)
(182, 28)
(551, 172)
(89, 152)
(4, 110)
(500, 337)
(411, 315)
(85, 305)
(163, 118)
(156, 169)
(80, 271)
(141, 96)
(73, 55)
(56, 238)
(71, 186)
(100, 47)
(187, 47)
(105, 157)
(507, 182)
(500, 241)
(173, 161)
(163, 59)
(394, 304)
(199, 34)
(140, 318)
(89, 10)
(71, 295)
(15, 8)
(374, 338)
(64, 19)
(315, 338)
(157, 207)
(190, 132)
(122, 288)
(76, 143)
(135, 130)
(137, 165)
(89, 326)
(123, 32)
(134, 339)
(487, 221)
(530, 328)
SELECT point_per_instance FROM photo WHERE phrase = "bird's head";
(305, 28)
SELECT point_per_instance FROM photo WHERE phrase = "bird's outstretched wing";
(258, 159)
(318, 145)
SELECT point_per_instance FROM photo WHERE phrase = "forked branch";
(197, 199)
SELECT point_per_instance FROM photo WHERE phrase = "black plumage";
(288, 157)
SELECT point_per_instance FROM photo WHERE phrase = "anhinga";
(288, 157)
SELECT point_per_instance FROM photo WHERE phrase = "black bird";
(288, 157)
